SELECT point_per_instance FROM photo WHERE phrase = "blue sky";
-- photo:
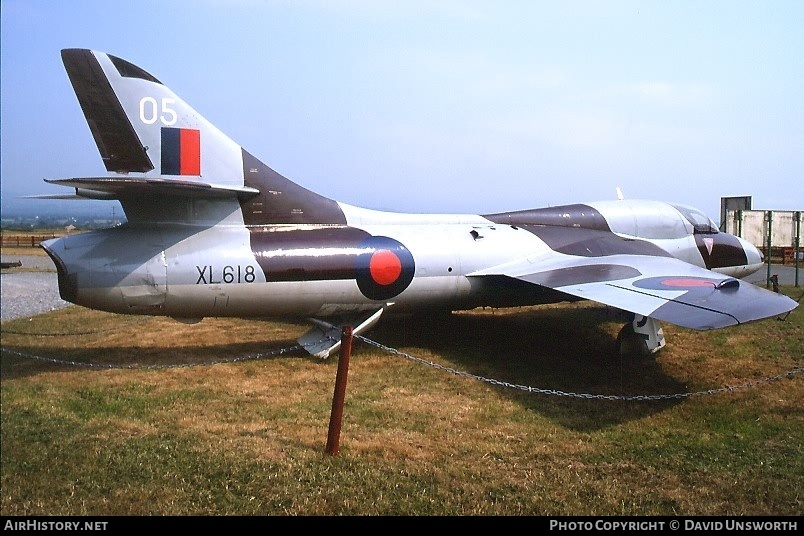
(441, 106)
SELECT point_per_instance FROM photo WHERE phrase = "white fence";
(777, 228)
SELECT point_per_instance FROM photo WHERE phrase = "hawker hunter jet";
(213, 231)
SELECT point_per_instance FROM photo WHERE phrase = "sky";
(441, 106)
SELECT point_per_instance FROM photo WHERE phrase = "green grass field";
(167, 421)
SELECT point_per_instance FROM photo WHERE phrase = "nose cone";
(729, 254)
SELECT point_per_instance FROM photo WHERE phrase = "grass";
(171, 437)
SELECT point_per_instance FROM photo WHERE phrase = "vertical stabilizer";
(117, 141)
(141, 126)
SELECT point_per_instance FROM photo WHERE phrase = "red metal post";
(336, 416)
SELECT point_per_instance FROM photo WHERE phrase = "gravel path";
(26, 294)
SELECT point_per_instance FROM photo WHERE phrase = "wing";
(663, 288)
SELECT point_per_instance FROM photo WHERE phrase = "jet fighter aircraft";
(213, 231)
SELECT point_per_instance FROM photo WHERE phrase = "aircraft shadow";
(566, 354)
(568, 351)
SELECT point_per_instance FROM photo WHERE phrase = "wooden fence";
(22, 241)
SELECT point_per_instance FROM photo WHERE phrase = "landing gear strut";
(641, 337)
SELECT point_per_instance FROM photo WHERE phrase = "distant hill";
(17, 211)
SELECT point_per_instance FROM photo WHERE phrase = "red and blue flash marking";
(181, 151)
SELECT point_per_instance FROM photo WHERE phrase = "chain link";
(554, 392)
(394, 351)
(250, 357)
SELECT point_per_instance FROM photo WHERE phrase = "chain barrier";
(251, 357)
(554, 392)
(456, 372)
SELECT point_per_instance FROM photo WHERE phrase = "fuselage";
(216, 264)
(214, 231)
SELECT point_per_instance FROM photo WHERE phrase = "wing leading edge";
(663, 288)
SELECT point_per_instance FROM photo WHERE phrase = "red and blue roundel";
(688, 283)
(384, 267)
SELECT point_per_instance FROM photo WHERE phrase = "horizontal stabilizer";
(117, 187)
(61, 196)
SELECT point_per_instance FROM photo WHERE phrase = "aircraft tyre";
(630, 344)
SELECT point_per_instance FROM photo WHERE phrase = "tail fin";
(140, 126)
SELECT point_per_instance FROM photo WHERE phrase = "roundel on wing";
(677, 283)
(384, 267)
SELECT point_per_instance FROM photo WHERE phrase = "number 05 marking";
(152, 111)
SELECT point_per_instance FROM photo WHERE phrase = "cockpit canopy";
(701, 224)
(654, 219)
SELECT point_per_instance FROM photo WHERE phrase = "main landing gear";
(640, 338)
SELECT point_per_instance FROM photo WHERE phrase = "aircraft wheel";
(631, 344)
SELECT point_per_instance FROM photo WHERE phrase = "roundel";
(677, 283)
(384, 267)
